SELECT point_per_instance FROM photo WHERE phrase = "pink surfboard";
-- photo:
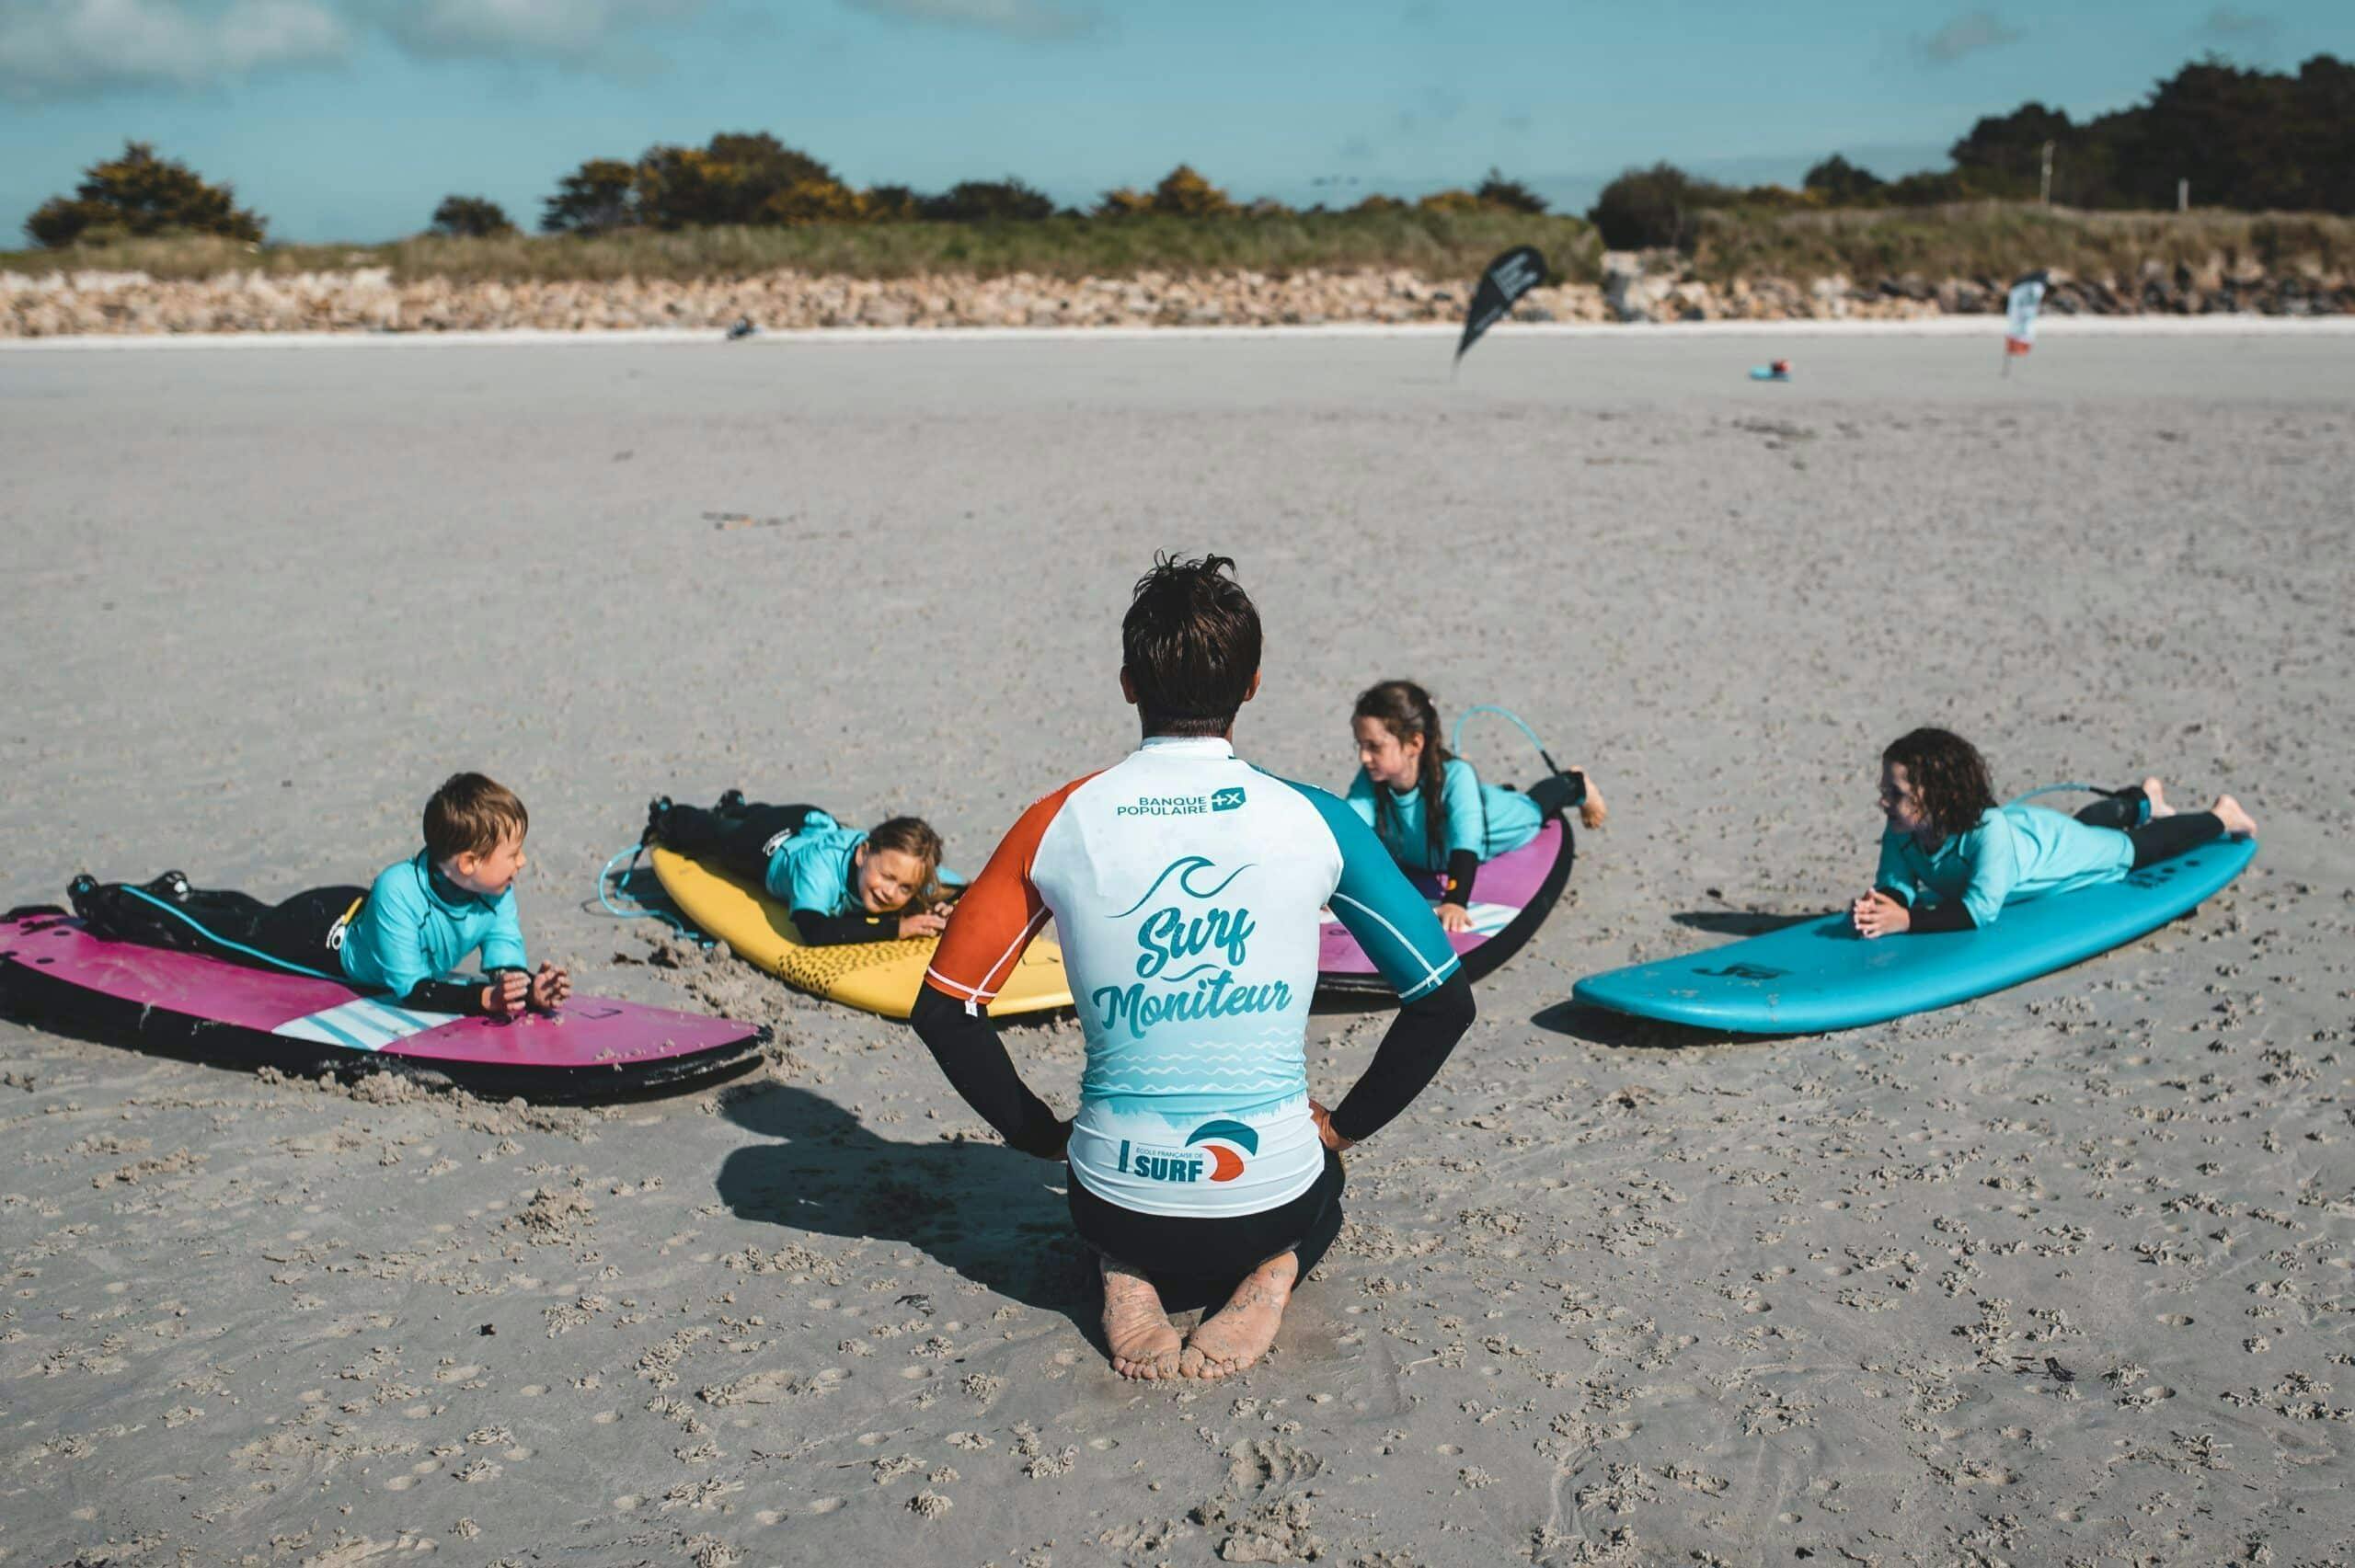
(54, 972)
(1510, 897)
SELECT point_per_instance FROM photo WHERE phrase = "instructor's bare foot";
(1240, 1332)
(2237, 822)
(1135, 1328)
(2156, 792)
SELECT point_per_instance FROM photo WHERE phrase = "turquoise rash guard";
(418, 925)
(1487, 820)
(812, 869)
(2015, 852)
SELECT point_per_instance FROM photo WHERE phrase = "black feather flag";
(1509, 277)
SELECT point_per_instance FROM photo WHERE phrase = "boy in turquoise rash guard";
(841, 884)
(1429, 809)
(401, 936)
(1952, 858)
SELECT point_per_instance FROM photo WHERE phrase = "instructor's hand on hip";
(1324, 1133)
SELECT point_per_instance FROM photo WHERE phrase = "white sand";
(1603, 1301)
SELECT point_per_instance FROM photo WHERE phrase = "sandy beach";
(2061, 1275)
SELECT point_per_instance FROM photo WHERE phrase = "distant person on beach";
(841, 884)
(1952, 858)
(402, 936)
(1428, 807)
(1186, 886)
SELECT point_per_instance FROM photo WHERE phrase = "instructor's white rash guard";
(1186, 886)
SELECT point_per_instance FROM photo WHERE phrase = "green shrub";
(141, 194)
(470, 217)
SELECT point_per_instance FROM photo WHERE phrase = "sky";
(350, 120)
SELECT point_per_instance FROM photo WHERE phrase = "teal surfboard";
(1808, 978)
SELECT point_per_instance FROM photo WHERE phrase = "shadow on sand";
(993, 1216)
(1742, 922)
(1615, 1031)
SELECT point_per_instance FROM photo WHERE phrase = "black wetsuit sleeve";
(1948, 916)
(1410, 1055)
(969, 1051)
(1463, 866)
(446, 996)
(832, 931)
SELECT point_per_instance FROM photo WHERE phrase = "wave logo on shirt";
(1187, 1165)
(1189, 946)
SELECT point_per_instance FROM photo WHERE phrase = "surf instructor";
(1187, 887)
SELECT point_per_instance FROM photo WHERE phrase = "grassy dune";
(1987, 240)
(1994, 240)
(1438, 243)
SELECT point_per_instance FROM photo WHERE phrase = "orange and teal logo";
(1215, 1137)
(1208, 1155)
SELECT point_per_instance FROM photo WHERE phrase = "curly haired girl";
(1952, 858)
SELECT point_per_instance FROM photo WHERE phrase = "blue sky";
(350, 118)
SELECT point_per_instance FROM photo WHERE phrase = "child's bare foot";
(1593, 812)
(1240, 1332)
(2155, 792)
(1135, 1328)
(2237, 822)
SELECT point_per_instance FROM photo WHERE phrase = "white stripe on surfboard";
(1487, 918)
(361, 1024)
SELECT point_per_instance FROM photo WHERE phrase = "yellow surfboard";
(880, 976)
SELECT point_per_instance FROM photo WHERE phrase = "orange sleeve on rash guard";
(999, 913)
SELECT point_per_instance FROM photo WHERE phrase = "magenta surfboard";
(1510, 898)
(54, 972)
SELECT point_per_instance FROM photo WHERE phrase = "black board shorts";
(1214, 1252)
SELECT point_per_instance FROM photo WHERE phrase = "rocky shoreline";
(1635, 286)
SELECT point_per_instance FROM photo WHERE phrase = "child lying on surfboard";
(1952, 858)
(841, 884)
(1428, 807)
(401, 936)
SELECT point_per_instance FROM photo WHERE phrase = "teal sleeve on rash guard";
(1994, 869)
(1893, 876)
(1380, 907)
(1468, 816)
(502, 945)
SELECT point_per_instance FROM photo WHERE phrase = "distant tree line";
(2244, 139)
(753, 178)
(2251, 140)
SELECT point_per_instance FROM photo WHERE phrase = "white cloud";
(574, 32)
(2235, 25)
(1967, 34)
(61, 49)
(54, 49)
(1016, 18)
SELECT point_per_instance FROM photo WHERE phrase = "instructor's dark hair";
(1949, 774)
(1405, 710)
(1190, 646)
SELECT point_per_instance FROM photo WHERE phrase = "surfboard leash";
(644, 910)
